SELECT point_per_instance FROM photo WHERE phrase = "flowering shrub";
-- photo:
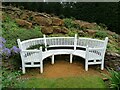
(6, 52)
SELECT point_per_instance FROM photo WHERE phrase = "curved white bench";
(93, 54)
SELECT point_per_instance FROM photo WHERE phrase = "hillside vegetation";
(26, 24)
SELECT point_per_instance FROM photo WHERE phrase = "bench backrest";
(99, 49)
(63, 41)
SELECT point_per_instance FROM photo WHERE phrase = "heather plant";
(6, 52)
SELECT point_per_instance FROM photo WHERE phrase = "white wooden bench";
(93, 54)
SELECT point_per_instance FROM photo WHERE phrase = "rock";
(47, 30)
(42, 21)
(84, 24)
(80, 32)
(43, 15)
(112, 60)
(64, 30)
(24, 16)
(91, 32)
(105, 79)
(110, 33)
(56, 29)
(57, 21)
(24, 23)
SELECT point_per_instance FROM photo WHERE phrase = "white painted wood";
(94, 53)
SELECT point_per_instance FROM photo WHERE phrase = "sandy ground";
(62, 68)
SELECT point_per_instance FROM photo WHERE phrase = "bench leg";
(86, 65)
(102, 65)
(41, 67)
(23, 70)
(71, 58)
(53, 59)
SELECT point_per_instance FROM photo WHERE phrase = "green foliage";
(68, 23)
(114, 78)
(38, 47)
(116, 36)
(72, 33)
(103, 26)
(11, 32)
(101, 34)
(9, 78)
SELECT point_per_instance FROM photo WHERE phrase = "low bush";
(68, 23)
(101, 34)
(114, 77)
(11, 32)
(9, 78)
(6, 52)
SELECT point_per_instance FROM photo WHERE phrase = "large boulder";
(57, 21)
(42, 21)
(47, 30)
(84, 24)
(58, 29)
(24, 23)
(24, 16)
(64, 30)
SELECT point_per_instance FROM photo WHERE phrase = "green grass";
(71, 82)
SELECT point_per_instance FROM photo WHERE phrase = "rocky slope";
(54, 26)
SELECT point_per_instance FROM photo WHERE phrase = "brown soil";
(62, 68)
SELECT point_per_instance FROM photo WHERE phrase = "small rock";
(91, 32)
(84, 24)
(64, 30)
(24, 23)
(57, 21)
(105, 79)
(56, 29)
(42, 21)
(47, 30)
(24, 16)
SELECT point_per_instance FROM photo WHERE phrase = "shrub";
(11, 31)
(37, 47)
(116, 36)
(101, 34)
(69, 24)
(6, 52)
(103, 26)
(9, 78)
(114, 78)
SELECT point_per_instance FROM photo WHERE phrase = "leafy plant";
(9, 78)
(11, 31)
(37, 47)
(116, 36)
(114, 78)
(101, 34)
(69, 24)
(103, 26)
(6, 52)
